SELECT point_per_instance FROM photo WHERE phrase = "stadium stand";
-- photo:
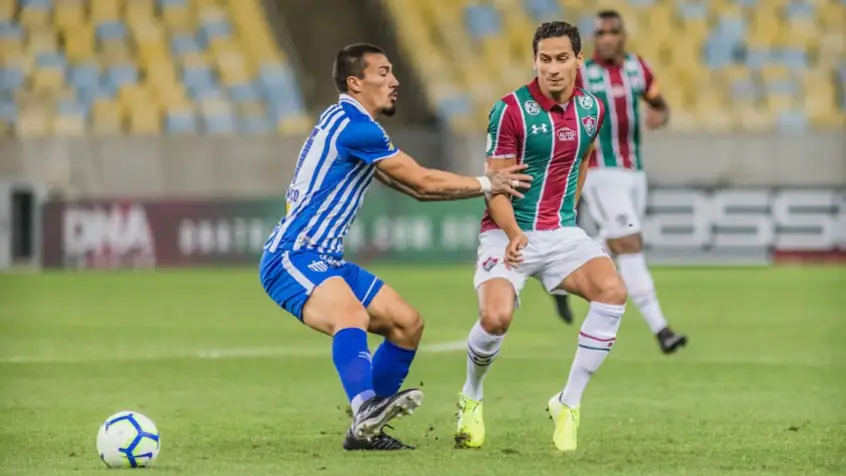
(73, 67)
(724, 64)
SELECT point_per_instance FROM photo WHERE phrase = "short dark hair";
(350, 62)
(556, 29)
(610, 15)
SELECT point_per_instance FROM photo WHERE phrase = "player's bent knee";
(496, 318)
(612, 291)
(626, 245)
(407, 329)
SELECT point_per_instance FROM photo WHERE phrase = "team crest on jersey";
(489, 263)
(532, 108)
(586, 102)
(566, 134)
(590, 124)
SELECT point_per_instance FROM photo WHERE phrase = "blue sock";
(390, 367)
(352, 360)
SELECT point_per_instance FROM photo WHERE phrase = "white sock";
(482, 349)
(597, 335)
(635, 274)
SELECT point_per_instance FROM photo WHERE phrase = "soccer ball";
(128, 440)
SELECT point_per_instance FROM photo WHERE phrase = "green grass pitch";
(238, 387)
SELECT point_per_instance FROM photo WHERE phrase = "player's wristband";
(485, 183)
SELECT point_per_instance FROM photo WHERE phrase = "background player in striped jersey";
(550, 125)
(303, 269)
(615, 189)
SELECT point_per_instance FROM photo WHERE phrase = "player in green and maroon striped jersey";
(615, 189)
(550, 125)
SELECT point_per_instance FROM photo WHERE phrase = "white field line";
(210, 354)
(435, 348)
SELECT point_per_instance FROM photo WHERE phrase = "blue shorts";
(289, 277)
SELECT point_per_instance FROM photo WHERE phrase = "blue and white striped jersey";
(333, 173)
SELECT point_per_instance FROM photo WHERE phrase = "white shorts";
(616, 199)
(549, 257)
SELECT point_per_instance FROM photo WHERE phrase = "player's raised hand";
(507, 180)
(514, 251)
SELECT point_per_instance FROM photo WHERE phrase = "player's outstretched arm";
(432, 184)
(499, 205)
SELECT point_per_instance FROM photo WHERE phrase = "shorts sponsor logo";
(489, 263)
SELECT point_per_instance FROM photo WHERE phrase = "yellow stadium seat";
(140, 10)
(69, 13)
(106, 118)
(104, 10)
(145, 120)
(48, 79)
(41, 38)
(777, 103)
(34, 119)
(7, 10)
(10, 47)
(34, 17)
(69, 125)
(176, 16)
(832, 15)
(79, 41)
(755, 118)
(295, 125)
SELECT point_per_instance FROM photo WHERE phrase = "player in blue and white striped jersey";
(303, 270)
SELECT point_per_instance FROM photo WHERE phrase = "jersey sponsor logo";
(539, 129)
(589, 122)
(532, 108)
(566, 134)
(318, 266)
(586, 102)
(489, 263)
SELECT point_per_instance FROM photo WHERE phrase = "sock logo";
(365, 355)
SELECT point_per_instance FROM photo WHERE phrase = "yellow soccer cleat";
(471, 426)
(566, 421)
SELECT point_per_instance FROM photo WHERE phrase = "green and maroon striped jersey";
(619, 86)
(552, 139)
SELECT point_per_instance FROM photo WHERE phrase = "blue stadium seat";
(799, 10)
(692, 11)
(181, 43)
(747, 3)
(215, 29)
(121, 74)
(11, 78)
(41, 4)
(198, 78)
(744, 90)
(719, 53)
(731, 29)
(482, 20)
(255, 125)
(71, 107)
(177, 122)
(286, 105)
(50, 60)
(792, 121)
(586, 24)
(111, 31)
(757, 58)
(10, 31)
(220, 124)
(84, 75)
(244, 92)
(8, 111)
(794, 58)
(455, 106)
(542, 10)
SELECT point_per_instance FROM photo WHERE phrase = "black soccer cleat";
(380, 442)
(669, 341)
(376, 412)
(562, 303)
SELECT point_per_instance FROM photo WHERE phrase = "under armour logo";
(539, 129)
(318, 266)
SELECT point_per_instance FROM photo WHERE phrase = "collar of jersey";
(546, 103)
(351, 100)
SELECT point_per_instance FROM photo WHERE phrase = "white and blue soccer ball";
(128, 440)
